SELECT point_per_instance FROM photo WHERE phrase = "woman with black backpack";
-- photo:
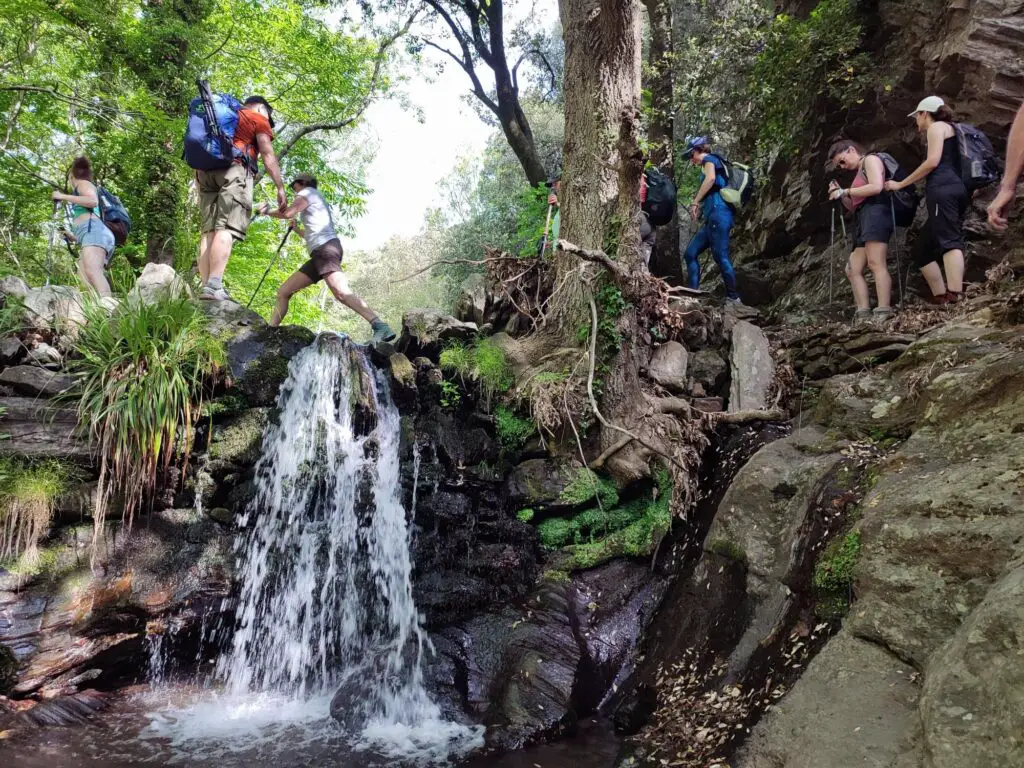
(94, 238)
(873, 218)
(947, 200)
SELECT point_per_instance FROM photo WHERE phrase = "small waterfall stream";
(325, 608)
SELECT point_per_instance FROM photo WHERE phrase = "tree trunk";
(602, 87)
(665, 260)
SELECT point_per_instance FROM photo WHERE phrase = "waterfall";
(323, 561)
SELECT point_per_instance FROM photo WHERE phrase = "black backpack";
(904, 202)
(661, 197)
(979, 164)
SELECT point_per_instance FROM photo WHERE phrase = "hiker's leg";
(647, 235)
(953, 261)
(876, 258)
(698, 244)
(855, 271)
(288, 288)
(219, 252)
(720, 224)
(342, 292)
(932, 274)
(90, 269)
(204, 256)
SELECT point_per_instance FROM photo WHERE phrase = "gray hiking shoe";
(383, 338)
(882, 314)
(213, 294)
(861, 316)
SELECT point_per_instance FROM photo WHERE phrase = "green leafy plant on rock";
(586, 485)
(833, 575)
(483, 363)
(512, 431)
(144, 374)
(28, 493)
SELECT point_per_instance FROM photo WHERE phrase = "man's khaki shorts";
(225, 200)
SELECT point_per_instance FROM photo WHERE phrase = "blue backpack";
(114, 215)
(210, 133)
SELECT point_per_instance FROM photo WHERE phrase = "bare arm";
(707, 185)
(1015, 152)
(931, 162)
(88, 200)
(290, 212)
(273, 167)
(875, 172)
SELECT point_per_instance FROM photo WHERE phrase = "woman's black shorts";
(323, 261)
(947, 205)
(873, 224)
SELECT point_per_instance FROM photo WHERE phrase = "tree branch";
(467, 67)
(597, 257)
(371, 92)
(743, 417)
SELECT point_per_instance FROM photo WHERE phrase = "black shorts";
(873, 224)
(947, 205)
(323, 261)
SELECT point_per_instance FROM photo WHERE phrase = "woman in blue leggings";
(718, 218)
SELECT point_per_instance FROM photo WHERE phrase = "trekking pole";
(547, 229)
(831, 255)
(50, 243)
(277, 255)
(899, 262)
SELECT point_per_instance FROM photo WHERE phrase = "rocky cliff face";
(970, 52)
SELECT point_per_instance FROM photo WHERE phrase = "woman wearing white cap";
(947, 200)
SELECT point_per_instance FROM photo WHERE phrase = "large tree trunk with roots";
(600, 187)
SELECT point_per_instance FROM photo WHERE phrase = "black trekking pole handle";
(270, 266)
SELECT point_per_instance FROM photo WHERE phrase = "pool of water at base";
(186, 728)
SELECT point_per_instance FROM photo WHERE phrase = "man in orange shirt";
(225, 195)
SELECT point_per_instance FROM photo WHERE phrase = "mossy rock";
(238, 439)
(258, 358)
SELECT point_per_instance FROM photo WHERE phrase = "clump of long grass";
(28, 493)
(143, 374)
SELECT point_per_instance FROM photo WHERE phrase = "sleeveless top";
(948, 169)
(78, 210)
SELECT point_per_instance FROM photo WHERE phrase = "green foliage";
(524, 515)
(12, 316)
(586, 485)
(833, 574)
(555, 532)
(451, 396)
(143, 374)
(28, 491)
(484, 363)
(802, 60)
(512, 431)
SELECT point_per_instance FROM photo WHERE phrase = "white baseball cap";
(929, 104)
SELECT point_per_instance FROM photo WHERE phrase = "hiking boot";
(937, 301)
(383, 338)
(954, 297)
(882, 314)
(214, 294)
(861, 316)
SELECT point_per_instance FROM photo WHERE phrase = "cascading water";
(323, 563)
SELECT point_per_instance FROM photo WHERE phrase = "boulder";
(226, 318)
(11, 350)
(471, 304)
(13, 286)
(55, 306)
(237, 439)
(668, 366)
(45, 356)
(751, 367)
(709, 369)
(403, 379)
(158, 282)
(540, 482)
(426, 331)
(31, 380)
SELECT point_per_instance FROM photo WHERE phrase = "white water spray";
(326, 596)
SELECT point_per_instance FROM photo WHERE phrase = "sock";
(215, 283)
(375, 322)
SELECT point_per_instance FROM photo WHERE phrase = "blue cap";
(692, 142)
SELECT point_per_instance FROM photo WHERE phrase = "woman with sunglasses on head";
(873, 225)
(947, 200)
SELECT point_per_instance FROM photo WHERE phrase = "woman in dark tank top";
(947, 201)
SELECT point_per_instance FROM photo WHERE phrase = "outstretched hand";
(999, 207)
(282, 199)
(893, 186)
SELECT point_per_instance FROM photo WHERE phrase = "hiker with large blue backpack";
(718, 213)
(223, 140)
(99, 223)
(959, 161)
